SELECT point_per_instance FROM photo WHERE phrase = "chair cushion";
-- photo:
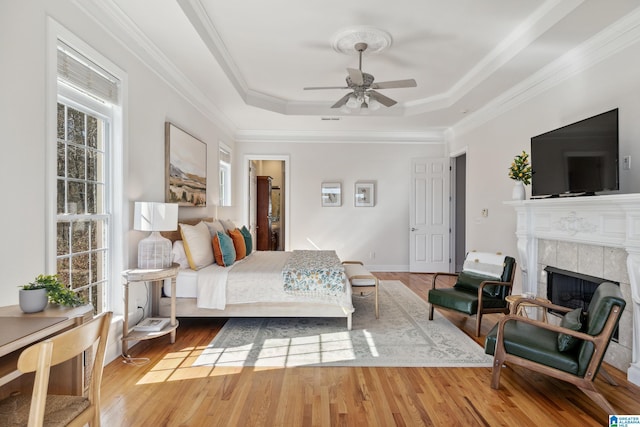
(462, 300)
(533, 343)
(572, 320)
(471, 282)
(59, 410)
(606, 296)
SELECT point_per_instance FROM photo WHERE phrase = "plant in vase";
(35, 295)
(521, 172)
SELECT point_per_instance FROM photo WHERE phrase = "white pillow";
(214, 227)
(179, 255)
(228, 225)
(197, 245)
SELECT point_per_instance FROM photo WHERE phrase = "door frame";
(247, 159)
(454, 205)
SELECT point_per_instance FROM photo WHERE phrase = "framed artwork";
(365, 194)
(185, 160)
(331, 194)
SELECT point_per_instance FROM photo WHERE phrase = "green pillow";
(248, 240)
(572, 320)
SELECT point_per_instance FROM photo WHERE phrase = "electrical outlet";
(485, 212)
(626, 163)
(372, 255)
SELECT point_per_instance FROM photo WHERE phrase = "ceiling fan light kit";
(363, 95)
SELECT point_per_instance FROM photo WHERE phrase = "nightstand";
(156, 277)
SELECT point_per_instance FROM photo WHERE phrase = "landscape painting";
(186, 168)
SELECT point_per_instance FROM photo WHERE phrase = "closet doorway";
(267, 196)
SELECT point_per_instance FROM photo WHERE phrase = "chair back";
(40, 357)
(605, 298)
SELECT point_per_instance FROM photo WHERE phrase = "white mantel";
(606, 220)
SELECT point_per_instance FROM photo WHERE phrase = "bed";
(254, 287)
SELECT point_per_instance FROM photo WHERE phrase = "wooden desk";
(20, 330)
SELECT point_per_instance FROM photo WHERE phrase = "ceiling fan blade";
(356, 76)
(325, 87)
(394, 84)
(384, 100)
(342, 101)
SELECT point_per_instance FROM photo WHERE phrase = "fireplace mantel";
(606, 220)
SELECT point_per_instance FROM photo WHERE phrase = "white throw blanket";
(484, 263)
(212, 287)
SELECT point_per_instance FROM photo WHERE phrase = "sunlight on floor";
(275, 353)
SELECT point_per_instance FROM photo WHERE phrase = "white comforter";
(257, 278)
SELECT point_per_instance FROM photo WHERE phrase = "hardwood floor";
(166, 391)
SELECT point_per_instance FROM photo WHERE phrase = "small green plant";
(520, 169)
(57, 291)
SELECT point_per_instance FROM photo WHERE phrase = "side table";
(511, 299)
(156, 276)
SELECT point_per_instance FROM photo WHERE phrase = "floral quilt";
(314, 273)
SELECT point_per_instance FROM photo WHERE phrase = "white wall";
(23, 105)
(612, 83)
(353, 232)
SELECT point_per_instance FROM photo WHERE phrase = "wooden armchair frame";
(481, 309)
(584, 383)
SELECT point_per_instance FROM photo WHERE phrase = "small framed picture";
(331, 194)
(365, 194)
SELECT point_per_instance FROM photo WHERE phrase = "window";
(87, 102)
(225, 175)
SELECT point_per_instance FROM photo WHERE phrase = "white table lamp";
(154, 251)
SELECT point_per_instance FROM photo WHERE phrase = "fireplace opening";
(573, 290)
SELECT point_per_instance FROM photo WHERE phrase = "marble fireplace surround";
(594, 235)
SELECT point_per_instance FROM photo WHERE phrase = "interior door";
(429, 215)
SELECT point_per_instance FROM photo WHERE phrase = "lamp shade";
(154, 216)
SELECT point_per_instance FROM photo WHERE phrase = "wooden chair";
(361, 279)
(60, 410)
(539, 346)
(474, 293)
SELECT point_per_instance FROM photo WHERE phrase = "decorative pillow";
(214, 227)
(223, 249)
(197, 245)
(248, 239)
(572, 320)
(227, 224)
(179, 255)
(238, 243)
(471, 282)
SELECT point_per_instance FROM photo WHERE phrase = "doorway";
(277, 168)
(458, 188)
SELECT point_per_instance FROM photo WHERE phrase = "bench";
(361, 278)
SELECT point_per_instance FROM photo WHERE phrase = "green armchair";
(571, 352)
(475, 293)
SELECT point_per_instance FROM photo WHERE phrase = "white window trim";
(225, 147)
(119, 222)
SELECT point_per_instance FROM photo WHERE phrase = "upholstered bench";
(361, 279)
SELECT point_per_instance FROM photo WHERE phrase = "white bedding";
(255, 279)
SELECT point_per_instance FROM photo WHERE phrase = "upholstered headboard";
(175, 235)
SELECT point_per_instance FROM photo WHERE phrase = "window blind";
(85, 75)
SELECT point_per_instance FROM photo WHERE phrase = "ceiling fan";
(363, 87)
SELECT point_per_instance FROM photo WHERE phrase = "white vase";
(518, 192)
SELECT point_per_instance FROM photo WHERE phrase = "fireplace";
(597, 236)
(572, 290)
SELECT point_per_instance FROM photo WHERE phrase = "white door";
(429, 215)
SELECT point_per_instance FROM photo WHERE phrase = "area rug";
(403, 336)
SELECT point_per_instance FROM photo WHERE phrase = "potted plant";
(521, 172)
(35, 295)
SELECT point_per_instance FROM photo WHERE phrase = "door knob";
(413, 229)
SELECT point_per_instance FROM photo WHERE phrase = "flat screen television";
(577, 159)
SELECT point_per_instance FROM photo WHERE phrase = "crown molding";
(548, 14)
(623, 33)
(119, 26)
(433, 137)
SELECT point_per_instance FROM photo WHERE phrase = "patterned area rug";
(402, 337)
